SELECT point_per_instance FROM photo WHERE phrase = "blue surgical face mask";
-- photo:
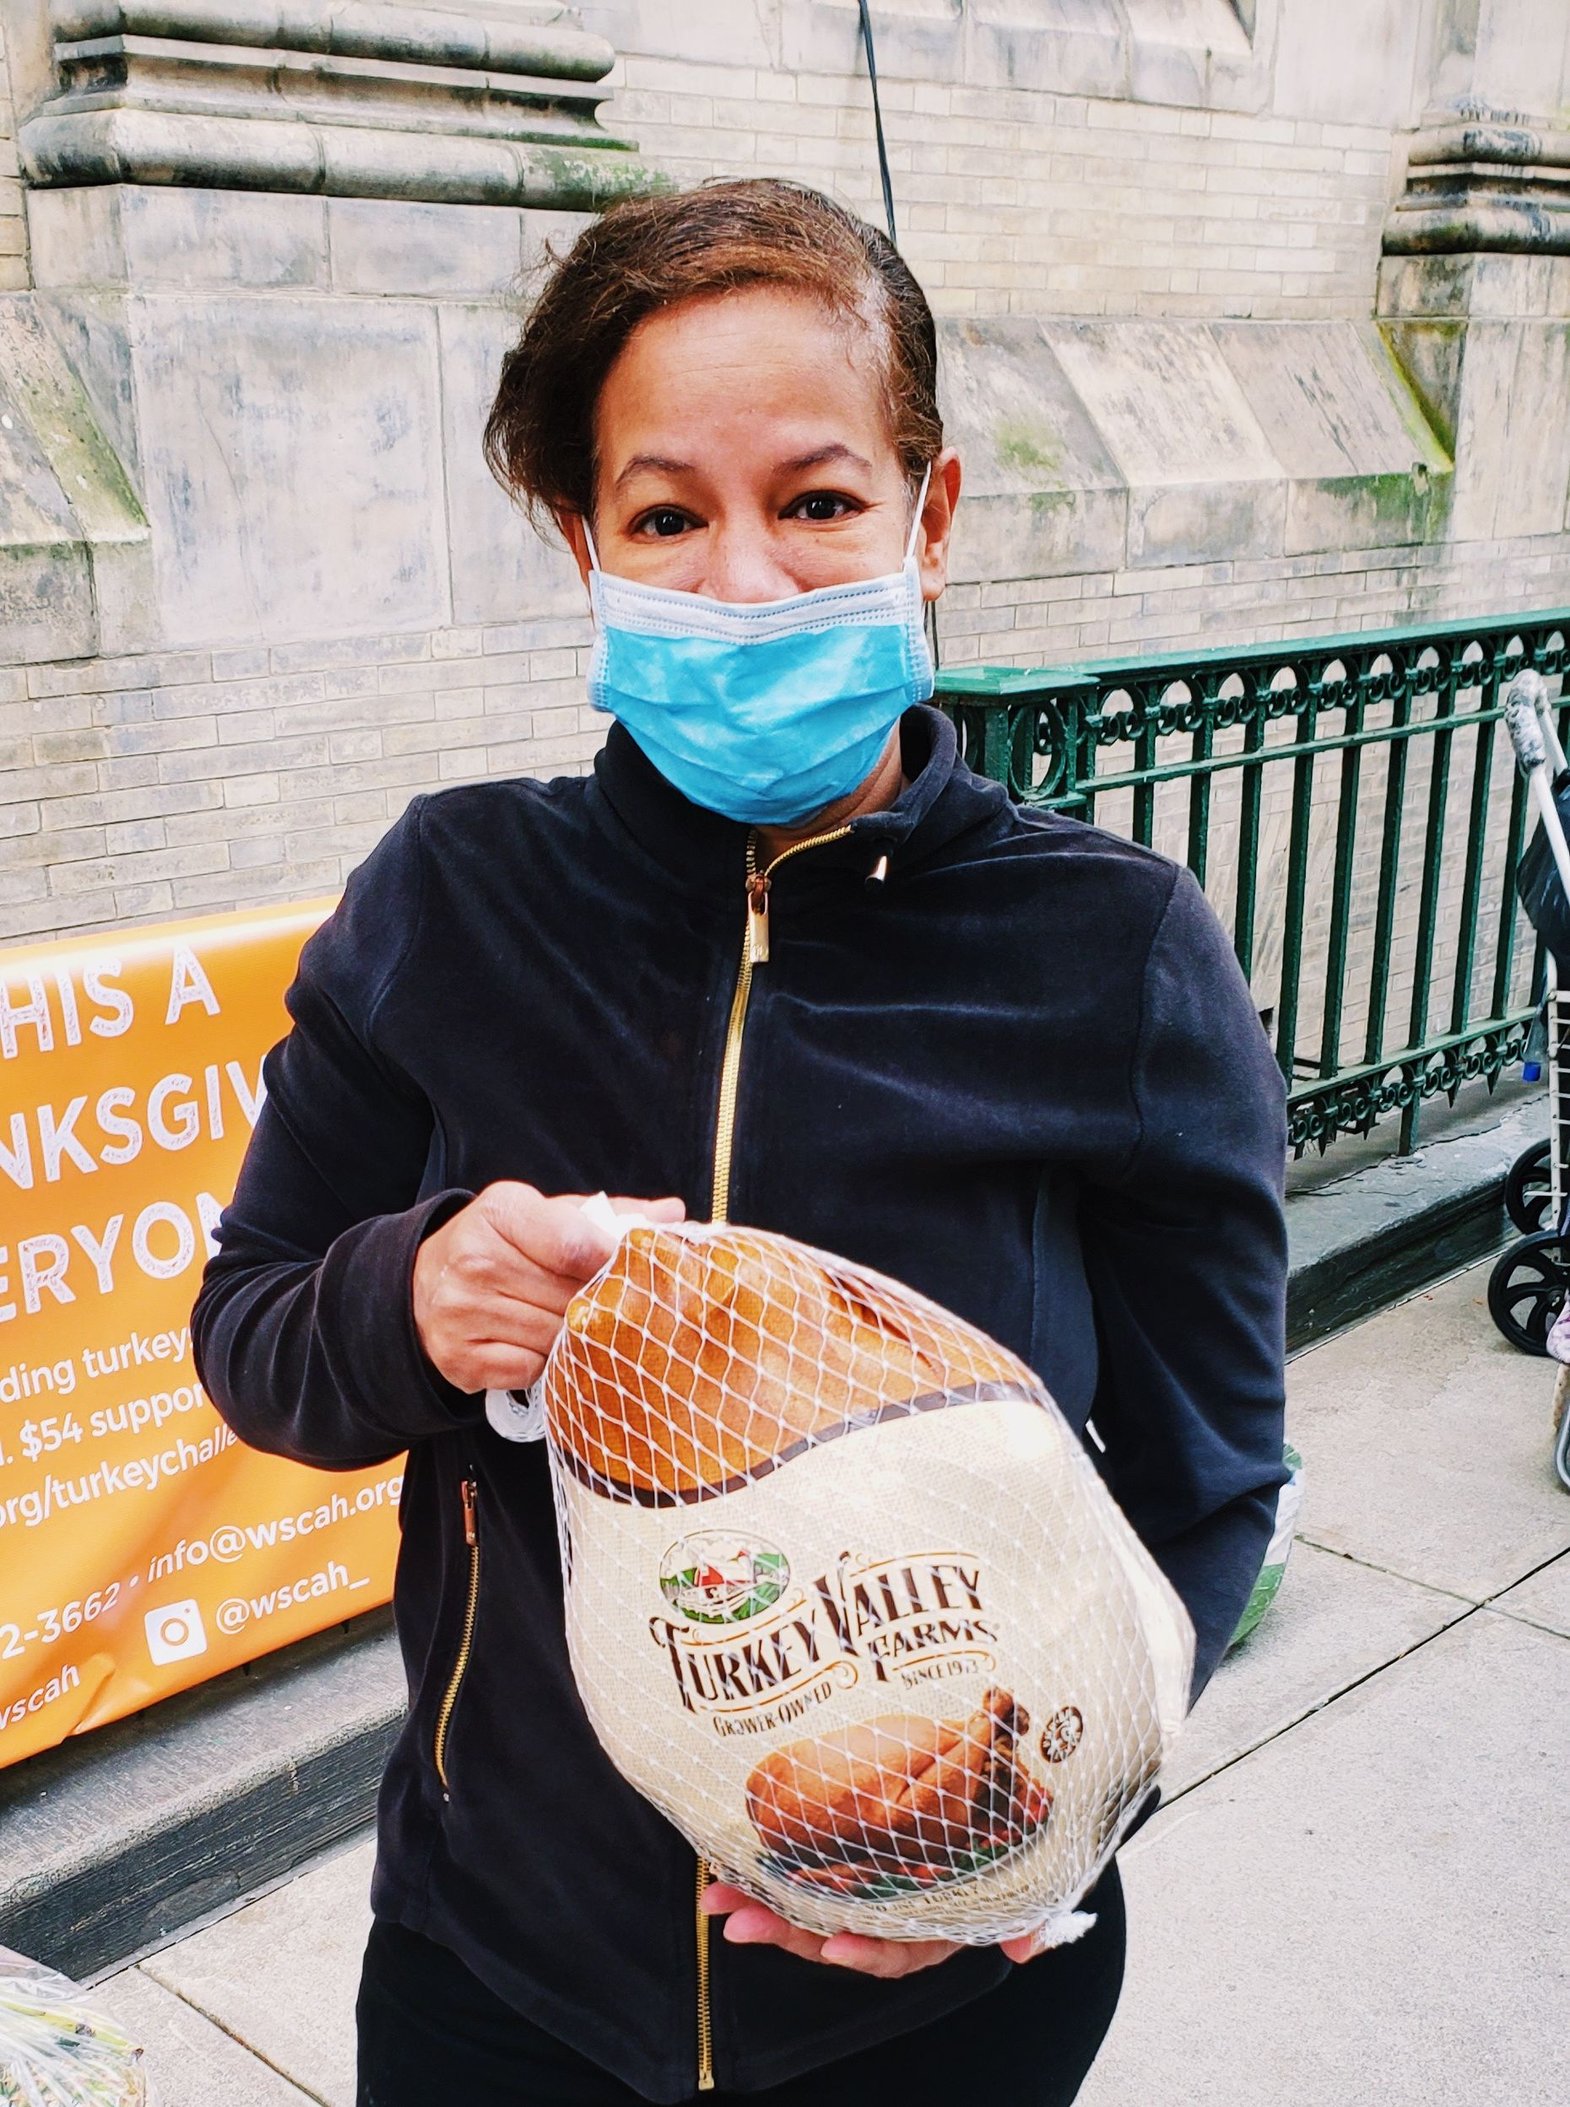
(766, 711)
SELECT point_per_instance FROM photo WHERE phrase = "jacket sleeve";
(303, 1330)
(1185, 1252)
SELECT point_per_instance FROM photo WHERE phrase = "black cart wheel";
(1528, 1192)
(1526, 1289)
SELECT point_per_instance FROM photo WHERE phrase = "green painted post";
(1199, 789)
(1341, 892)
(1504, 945)
(1433, 871)
(1476, 842)
(1389, 873)
(1243, 914)
(1148, 704)
(995, 751)
(1297, 890)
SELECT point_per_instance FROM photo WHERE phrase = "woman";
(781, 958)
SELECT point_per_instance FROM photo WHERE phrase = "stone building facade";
(1256, 321)
(13, 233)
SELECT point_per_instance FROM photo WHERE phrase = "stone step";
(1365, 1238)
(116, 1841)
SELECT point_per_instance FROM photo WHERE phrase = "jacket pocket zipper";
(471, 1536)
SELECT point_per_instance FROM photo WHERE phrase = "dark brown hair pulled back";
(650, 253)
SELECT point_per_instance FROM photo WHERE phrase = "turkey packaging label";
(846, 1599)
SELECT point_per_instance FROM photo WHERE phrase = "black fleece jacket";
(1022, 1074)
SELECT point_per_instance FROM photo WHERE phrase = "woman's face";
(744, 451)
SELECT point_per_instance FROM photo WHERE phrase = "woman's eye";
(664, 521)
(823, 505)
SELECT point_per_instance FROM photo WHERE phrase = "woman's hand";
(749, 1923)
(491, 1285)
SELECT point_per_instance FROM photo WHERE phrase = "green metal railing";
(1351, 807)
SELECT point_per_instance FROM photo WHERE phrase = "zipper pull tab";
(758, 919)
(471, 1526)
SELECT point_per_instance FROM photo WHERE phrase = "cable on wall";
(877, 119)
(888, 214)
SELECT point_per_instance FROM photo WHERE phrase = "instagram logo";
(175, 1632)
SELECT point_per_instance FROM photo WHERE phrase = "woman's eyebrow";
(821, 455)
(659, 464)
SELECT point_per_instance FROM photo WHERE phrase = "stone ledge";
(114, 1842)
(356, 161)
(362, 100)
(353, 29)
(117, 1842)
(1380, 1233)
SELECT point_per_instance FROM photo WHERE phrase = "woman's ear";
(574, 532)
(937, 523)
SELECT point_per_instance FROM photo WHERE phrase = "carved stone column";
(1474, 287)
(1489, 168)
(1476, 184)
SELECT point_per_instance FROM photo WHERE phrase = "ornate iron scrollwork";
(1063, 738)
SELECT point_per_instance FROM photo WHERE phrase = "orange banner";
(142, 1548)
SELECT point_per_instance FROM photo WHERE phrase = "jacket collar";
(941, 798)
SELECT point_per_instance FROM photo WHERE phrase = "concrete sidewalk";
(1354, 1893)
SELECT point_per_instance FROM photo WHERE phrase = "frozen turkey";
(846, 1598)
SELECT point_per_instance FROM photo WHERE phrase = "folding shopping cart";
(1527, 1288)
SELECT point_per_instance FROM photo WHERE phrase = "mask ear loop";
(596, 569)
(921, 506)
(929, 616)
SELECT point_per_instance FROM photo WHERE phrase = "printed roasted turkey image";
(695, 1365)
(928, 1799)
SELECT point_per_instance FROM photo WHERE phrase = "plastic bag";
(1557, 1344)
(57, 2052)
(1289, 1506)
(846, 1598)
(1538, 884)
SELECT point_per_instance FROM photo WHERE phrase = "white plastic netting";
(846, 1598)
(57, 2052)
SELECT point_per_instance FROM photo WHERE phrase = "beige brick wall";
(1017, 201)
(142, 788)
(13, 228)
(135, 789)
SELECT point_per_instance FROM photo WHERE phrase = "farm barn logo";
(713, 1579)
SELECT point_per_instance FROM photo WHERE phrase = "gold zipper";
(754, 952)
(471, 1536)
(705, 2023)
